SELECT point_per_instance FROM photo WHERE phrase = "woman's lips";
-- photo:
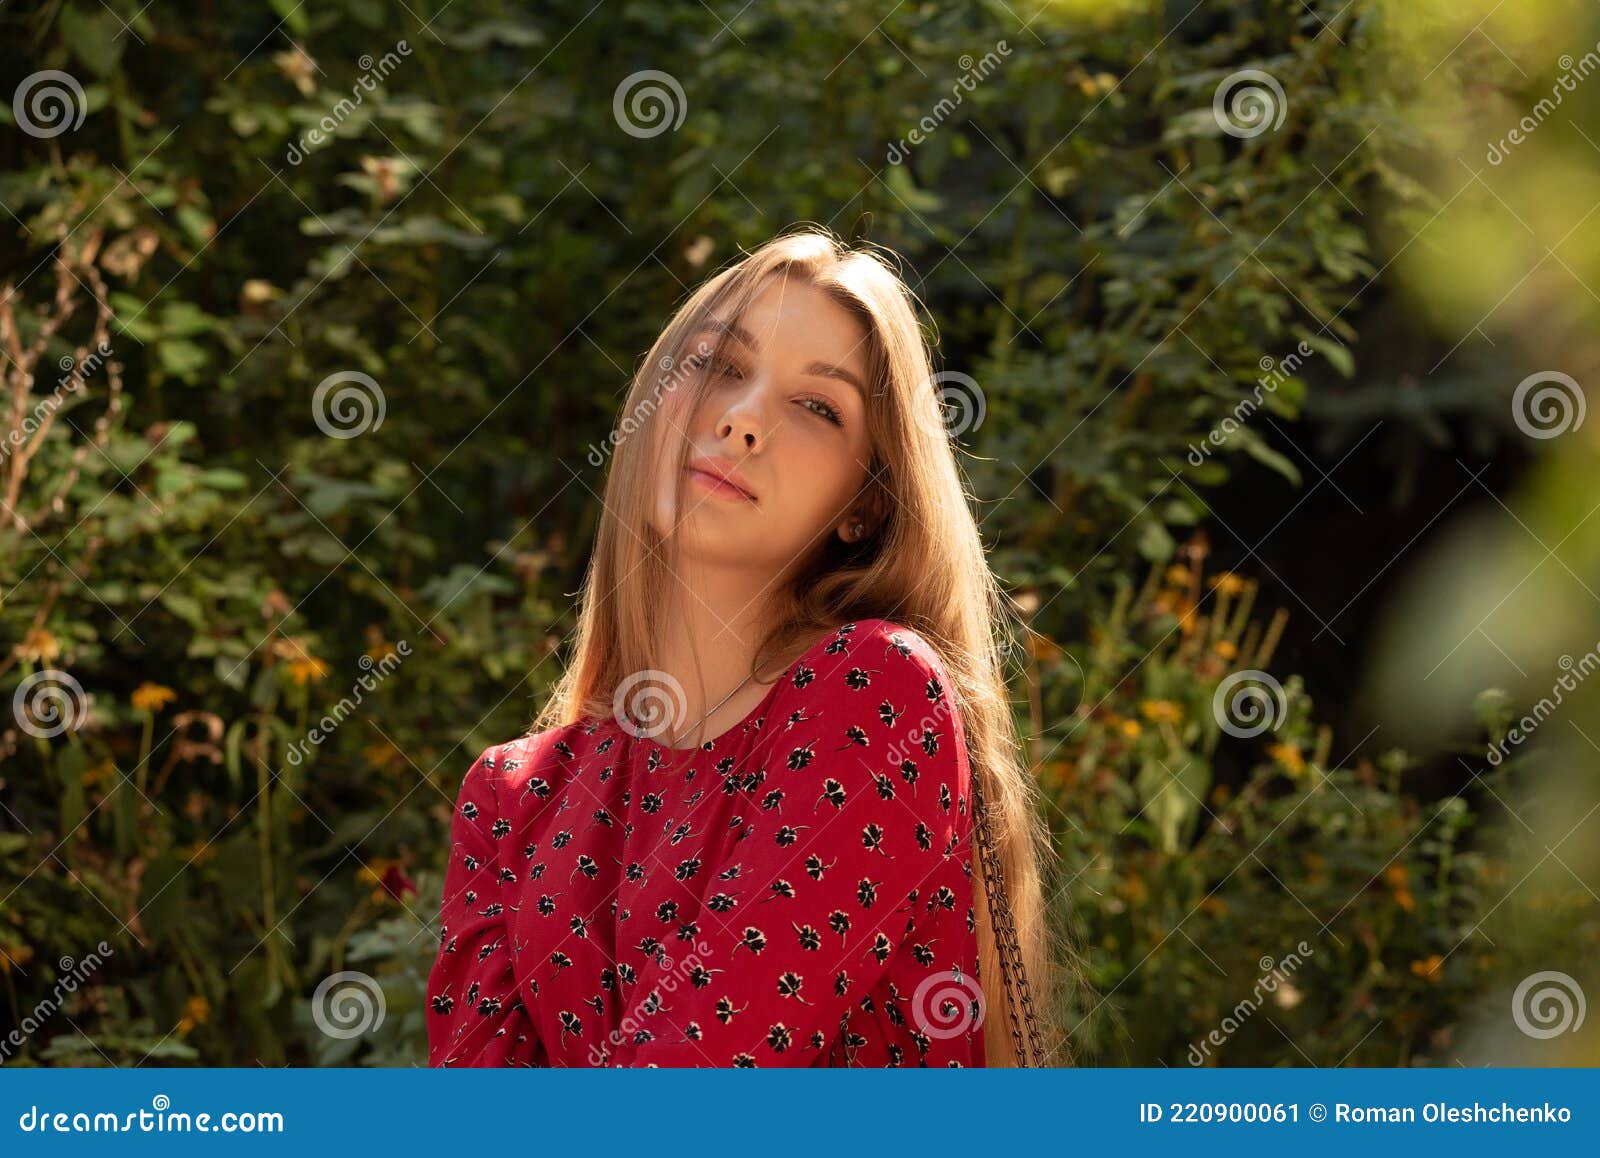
(716, 486)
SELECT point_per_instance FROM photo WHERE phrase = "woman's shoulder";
(880, 690)
(877, 647)
(510, 769)
(877, 659)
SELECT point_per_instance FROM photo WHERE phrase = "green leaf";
(1337, 354)
(70, 765)
(1155, 543)
(93, 37)
(182, 360)
(293, 13)
(1264, 454)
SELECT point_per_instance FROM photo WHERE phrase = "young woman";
(773, 814)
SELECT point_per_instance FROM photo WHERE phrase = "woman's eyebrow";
(815, 369)
(828, 370)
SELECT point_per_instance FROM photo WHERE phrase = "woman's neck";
(709, 643)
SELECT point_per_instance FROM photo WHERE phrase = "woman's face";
(784, 410)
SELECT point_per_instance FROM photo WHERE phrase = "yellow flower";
(1056, 773)
(1131, 729)
(1399, 880)
(1161, 711)
(149, 697)
(99, 772)
(1214, 905)
(39, 646)
(20, 955)
(381, 648)
(382, 755)
(1289, 756)
(303, 666)
(196, 1011)
(1227, 583)
(1177, 576)
(303, 671)
(1226, 649)
(372, 873)
(1428, 967)
(1042, 649)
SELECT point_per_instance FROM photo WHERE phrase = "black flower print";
(792, 893)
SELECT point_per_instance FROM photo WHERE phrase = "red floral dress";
(797, 891)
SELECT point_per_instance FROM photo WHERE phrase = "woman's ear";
(865, 515)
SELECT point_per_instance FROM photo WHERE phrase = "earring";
(857, 529)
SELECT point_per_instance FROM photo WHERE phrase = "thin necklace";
(719, 703)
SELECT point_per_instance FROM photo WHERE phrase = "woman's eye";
(827, 409)
(721, 366)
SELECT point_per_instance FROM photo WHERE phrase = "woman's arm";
(476, 1016)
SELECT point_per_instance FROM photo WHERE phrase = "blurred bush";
(273, 649)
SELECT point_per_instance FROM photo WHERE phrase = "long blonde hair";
(922, 565)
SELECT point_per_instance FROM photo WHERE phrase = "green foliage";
(1215, 856)
(245, 212)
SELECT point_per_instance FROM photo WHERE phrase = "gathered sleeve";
(851, 857)
(475, 1014)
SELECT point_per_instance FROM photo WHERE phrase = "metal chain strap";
(1013, 974)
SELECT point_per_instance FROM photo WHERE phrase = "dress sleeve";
(476, 1016)
(850, 850)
